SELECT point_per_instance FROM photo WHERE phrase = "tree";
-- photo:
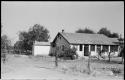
(36, 33)
(19, 46)
(5, 46)
(122, 54)
(5, 42)
(104, 31)
(114, 35)
(107, 32)
(86, 30)
(121, 43)
(39, 33)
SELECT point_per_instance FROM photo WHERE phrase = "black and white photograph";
(62, 40)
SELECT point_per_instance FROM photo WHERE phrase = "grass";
(99, 65)
(79, 65)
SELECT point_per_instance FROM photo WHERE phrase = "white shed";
(41, 48)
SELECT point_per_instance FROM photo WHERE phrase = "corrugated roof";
(84, 38)
(42, 43)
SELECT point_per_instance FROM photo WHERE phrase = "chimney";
(62, 30)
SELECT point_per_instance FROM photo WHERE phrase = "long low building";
(85, 43)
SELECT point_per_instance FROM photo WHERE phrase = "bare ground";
(43, 68)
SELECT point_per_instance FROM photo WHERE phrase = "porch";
(84, 49)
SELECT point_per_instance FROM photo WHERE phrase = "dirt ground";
(43, 68)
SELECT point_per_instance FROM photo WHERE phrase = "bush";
(68, 53)
(116, 70)
(52, 54)
(3, 57)
(28, 52)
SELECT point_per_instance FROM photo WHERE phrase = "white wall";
(80, 53)
(41, 50)
(93, 53)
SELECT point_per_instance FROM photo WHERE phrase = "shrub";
(68, 53)
(51, 54)
(116, 70)
(3, 57)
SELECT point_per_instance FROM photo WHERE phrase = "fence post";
(89, 64)
(98, 56)
(56, 58)
(109, 56)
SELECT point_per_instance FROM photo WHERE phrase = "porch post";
(109, 48)
(101, 47)
(109, 54)
(83, 49)
(78, 47)
(89, 48)
(95, 48)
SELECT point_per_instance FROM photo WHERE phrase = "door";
(98, 48)
(86, 50)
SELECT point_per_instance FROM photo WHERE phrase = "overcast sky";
(55, 16)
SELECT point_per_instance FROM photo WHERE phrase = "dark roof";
(84, 38)
(41, 43)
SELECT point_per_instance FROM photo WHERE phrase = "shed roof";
(42, 43)
(85, 38)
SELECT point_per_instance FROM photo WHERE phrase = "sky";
(20, 16)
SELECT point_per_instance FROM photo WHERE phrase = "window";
(106, 47)
(111, 48)
(62, 47)
(80, 48)
(114, 48)
(92, 47)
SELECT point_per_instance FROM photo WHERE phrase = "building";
(85, 43)
(41, 48)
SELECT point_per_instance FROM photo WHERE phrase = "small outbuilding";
(41, 48)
